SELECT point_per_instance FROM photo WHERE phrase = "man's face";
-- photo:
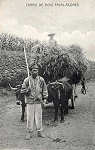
(34, 72)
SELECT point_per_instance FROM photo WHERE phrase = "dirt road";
(76, 133)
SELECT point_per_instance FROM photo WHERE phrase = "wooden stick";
(27, 61)
(26, 64)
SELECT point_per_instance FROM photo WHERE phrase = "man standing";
(36, 93)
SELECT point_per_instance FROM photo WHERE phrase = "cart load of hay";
(57, 62)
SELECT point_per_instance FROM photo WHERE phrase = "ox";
(60, 93)
(20, 99)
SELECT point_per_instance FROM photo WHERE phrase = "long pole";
(26, 64)
(27, 61)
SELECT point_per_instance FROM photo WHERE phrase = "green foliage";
(12, 65)
(55, 62)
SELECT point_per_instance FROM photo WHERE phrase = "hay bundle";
(56, 62)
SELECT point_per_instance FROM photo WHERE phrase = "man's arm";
(25, 86)
(44, 91)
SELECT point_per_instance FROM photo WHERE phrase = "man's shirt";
(38, 89)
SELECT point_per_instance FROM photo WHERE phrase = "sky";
(71, 25)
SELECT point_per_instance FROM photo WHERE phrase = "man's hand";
(44, 102)
(28, 92)
(18, 102)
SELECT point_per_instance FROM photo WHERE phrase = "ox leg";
(23, 111)
(72, 101)
(66, 107)
(62, 113)
(56, 113)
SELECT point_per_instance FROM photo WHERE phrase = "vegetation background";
(55, 61)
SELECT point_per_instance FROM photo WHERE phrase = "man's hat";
(33, 66)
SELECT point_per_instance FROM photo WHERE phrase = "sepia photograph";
(47, 75)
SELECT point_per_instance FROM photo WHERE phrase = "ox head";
(54, 91)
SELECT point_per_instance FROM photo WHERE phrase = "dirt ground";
(76, 133)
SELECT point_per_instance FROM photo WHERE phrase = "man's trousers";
(34, 115)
